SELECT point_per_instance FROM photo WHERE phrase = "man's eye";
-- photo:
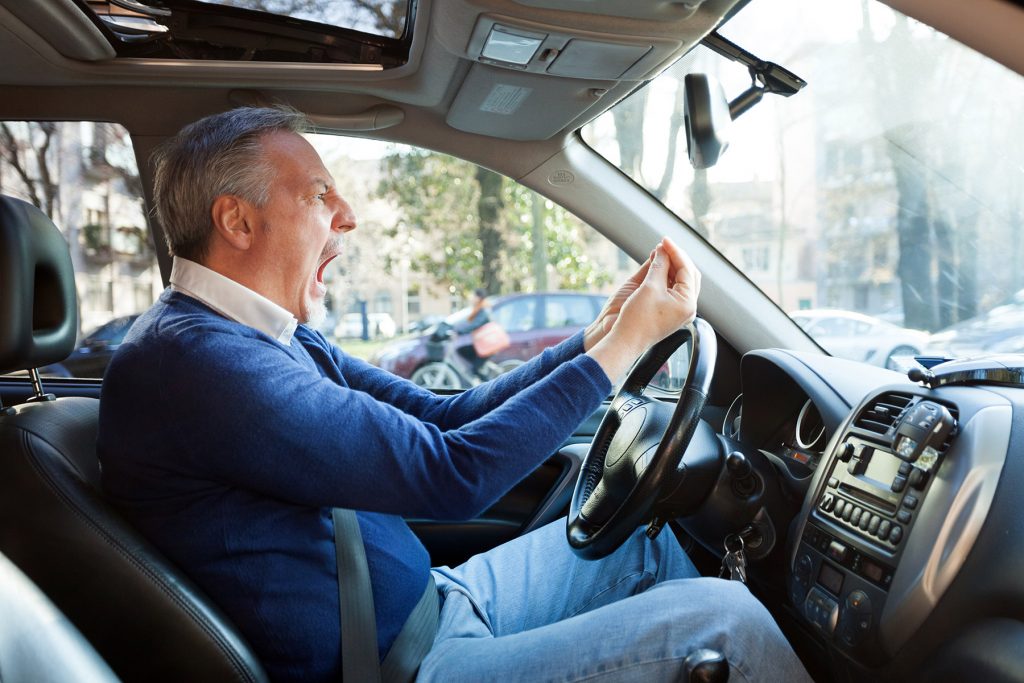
(320, 197)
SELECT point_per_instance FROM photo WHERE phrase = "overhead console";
(514, 44)
(893, 511)
(538, 68)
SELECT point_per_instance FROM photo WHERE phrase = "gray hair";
(217, 155)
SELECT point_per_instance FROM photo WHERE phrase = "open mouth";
(319, 287)
(322, 267)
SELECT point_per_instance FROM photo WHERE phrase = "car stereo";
(874, 483)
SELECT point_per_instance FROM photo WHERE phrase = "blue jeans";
(530, 611)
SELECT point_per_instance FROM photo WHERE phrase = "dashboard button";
(899, 483)
(865, 521)
(918, 478)
(838, 552)
(883, 529)
(910, 501)
(905, 468)
(855, 516)
(848, 511)
(840, 507)
(833, 482)
(828, 501)
(896, 534)
(873, 524)
(903, 516)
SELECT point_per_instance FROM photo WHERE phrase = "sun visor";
(520, 106)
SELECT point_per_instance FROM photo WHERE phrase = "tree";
(30, 150)
(475, 228)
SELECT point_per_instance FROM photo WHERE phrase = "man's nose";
(344, 217)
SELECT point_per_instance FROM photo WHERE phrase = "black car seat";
(37, 643)
(143, 616)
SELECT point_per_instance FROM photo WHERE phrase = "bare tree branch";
(49, 189)
(10, 148)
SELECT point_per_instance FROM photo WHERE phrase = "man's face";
(300, 227)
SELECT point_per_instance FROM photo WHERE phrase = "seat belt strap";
(359, 660)
(414, 640)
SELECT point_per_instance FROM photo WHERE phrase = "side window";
(111, 333)
(83, 175)
(518, 315)
(433, 229)
(568, 310)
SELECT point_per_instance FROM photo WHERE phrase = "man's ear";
(233, 221)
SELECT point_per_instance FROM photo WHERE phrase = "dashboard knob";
(738, 465)
(846, 451)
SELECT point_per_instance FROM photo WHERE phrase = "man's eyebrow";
(326, 183)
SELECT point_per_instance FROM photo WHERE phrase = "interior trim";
(62, 24)
(948, 524)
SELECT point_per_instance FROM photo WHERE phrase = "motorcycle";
(446, 368)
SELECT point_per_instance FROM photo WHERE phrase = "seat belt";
(414, 640)
(359, 660)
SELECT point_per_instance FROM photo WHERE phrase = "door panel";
(542, 497)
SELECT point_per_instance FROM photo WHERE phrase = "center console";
(870, 491)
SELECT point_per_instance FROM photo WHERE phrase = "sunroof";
(379, 17)
(368, 32)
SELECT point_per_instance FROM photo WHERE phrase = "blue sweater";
(227, 448)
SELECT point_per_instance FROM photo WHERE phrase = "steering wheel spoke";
(635, 457)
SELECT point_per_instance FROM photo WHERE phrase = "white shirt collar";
(232, 300)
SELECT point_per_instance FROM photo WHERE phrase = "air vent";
(883, 412)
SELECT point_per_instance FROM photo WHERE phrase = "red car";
(533, 322)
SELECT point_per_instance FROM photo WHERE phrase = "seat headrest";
(38, 313)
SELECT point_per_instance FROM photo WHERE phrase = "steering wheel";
(636, 465)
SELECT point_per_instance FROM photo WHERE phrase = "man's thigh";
(643, 638)
(536, 579)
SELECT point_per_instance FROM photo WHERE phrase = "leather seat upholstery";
(146, 619)
(37, 643)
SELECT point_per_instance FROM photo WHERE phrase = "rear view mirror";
(707, 120)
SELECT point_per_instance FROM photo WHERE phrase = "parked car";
(861, 337)
(377, 325)
(999, 330)
(93, 353)
(533, 322)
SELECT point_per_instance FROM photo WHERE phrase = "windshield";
(891, 186)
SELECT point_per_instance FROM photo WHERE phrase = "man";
(229, 429)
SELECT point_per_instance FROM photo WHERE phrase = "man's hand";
(656, 301)
(597, 330)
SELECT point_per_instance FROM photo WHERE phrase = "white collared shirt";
(232, 300)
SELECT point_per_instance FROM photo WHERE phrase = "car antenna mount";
(764, 76)
(1002, 370)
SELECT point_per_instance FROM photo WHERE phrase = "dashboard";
(891, 513)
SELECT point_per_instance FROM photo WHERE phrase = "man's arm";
(261, 420)
(451, 412)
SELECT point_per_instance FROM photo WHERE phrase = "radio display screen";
(881, 470)
(874, 484)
